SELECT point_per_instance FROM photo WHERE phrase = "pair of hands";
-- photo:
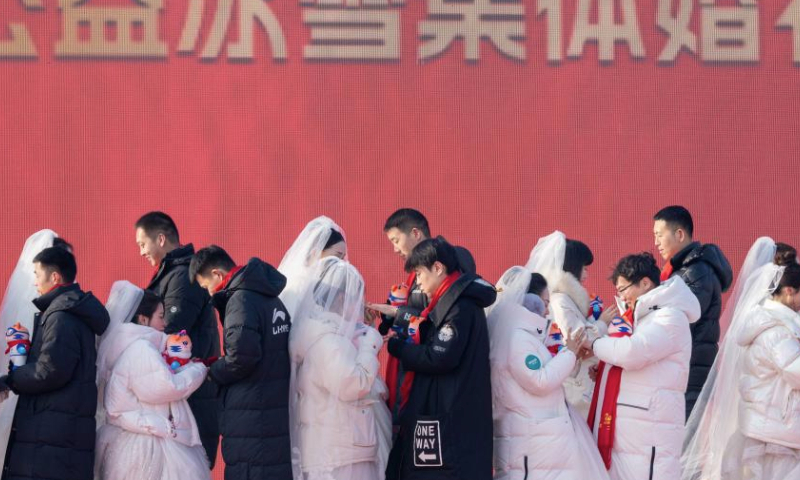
(580, 345)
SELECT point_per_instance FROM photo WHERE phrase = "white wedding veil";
(300, 264)
(547, 258)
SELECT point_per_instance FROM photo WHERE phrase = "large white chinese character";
(21, 44)
(790, 18)
(730, 34)
(677, 28)
(552, 8)
(502, 23)
(124, 20)
(606, 32)
(347, 30)
(250, 12)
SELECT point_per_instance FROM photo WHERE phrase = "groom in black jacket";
(186, 307)
(708, 274)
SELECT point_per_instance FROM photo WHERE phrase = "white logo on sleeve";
(279, 315)
(447, 333)
(173, 309)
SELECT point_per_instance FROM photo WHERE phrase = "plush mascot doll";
(18, 344)
(178, 351)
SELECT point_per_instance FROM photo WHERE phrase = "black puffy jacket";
(53, 432)
(708, 274)
(254, 374)
(446, 427)
(188, 307)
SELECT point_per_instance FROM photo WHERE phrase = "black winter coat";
(188, 307)
(708, 274)
(254, 375)
(451, 399)
(53, 431)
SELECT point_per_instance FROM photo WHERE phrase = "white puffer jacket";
(769, 409)
(142, 392)
(569, 306)
(533, 434)
(655, 363)
(337, 425)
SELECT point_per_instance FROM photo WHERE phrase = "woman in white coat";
(638, 408)
(564, 262)
(536, 434)
(149, 432)
(766, 445)
(341, 425)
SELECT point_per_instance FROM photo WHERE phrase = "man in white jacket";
(637, 413)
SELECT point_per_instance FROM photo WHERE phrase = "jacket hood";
(71, 299)
(571, 287)
(469, 286)
(673, 293)
(258, 276)
(710, 254)
(765, 316)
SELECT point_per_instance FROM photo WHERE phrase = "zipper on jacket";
(652, 462)
(633, 406)
(526, 468)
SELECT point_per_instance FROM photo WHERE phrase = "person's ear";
(416, 233)
(680, 234)
(438, 267)
(161, 240)
(56, 278)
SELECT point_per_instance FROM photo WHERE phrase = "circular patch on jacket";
(447, 333)
(533, 362)
(173, 309)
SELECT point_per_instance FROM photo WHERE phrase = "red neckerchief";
(227, 278)
(446, 284)
(399, 381)
(171, 360)
(412, 277)
(608, 411)
(58, 285)
(667, 271)
(22, 341)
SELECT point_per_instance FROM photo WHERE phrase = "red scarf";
(58, 285)
(399, 383)
(227, 279)
(608, 412)
(22, 341)
(444, 287)
(667, 271)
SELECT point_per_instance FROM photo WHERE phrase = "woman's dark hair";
(790, 278)
(148, 305)
(335, 238)
(576, 256)
(785, 254)
(634, 268)
(537, 285)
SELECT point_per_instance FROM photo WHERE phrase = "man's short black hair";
(209, 258)
(60, 242)
(154, 223)
(676, 217)
(58, 259)
(636, 267)
(407, 219)
(430, 251)
(538, 284)
(576, 256)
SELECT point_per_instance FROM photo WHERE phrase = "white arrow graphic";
(427, 456)
(278, 315)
